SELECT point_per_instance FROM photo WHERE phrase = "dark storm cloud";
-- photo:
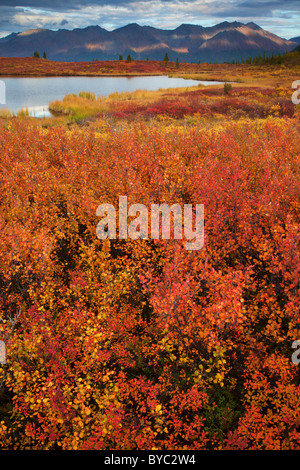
(66, 4)
(55, 4)
(256, 6)
(263, 8)
(274, 4)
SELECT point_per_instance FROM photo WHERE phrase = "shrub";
(227, 88)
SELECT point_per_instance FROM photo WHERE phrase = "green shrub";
(227, 88)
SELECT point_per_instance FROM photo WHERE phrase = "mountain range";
(297, 39)
(223, 42)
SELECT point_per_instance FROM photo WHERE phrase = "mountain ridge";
(222, 42)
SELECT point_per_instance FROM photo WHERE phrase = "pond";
(35, 93)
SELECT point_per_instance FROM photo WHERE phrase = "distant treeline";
(273, 59)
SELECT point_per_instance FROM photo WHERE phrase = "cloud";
(18, 15)
(58, 5)
(262, 8)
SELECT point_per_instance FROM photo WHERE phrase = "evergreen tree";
(36, 55)
(44, 55)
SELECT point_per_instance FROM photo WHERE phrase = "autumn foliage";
(30, 66)
(131, 344)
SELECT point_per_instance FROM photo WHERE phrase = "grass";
(259, 87)
(187, 103)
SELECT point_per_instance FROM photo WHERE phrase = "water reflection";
(34, 94)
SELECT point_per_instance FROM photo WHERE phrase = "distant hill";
(190, 43)
(297, 40)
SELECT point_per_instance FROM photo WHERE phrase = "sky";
(281, 17)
